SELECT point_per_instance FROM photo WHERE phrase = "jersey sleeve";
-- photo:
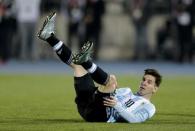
(138, 115)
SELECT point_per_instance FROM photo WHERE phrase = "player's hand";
(110, 101)
(112, 83)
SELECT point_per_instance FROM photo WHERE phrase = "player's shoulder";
(122, 90)
(151, 108)
(147, 105)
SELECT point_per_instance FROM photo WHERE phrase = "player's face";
(147, 85)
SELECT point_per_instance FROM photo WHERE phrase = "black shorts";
(89, 100)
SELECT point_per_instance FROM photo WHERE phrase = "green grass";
(46, 102)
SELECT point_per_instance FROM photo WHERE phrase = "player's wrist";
(117, 106)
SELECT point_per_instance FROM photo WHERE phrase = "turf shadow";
(39, 121)
(178, 118)
(176, 114)
(168, 121)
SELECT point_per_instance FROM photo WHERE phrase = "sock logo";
(59, 51)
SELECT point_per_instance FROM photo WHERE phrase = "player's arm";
(138, 115)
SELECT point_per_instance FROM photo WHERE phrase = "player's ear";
(155, 89)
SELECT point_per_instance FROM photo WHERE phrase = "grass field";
(46, 102)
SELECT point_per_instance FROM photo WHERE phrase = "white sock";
(58, 46)
(93, 68)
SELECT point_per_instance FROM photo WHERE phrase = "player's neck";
(146, 96)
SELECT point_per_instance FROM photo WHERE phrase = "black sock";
(63, 52)
(98, 75)
(88, 64)
(52, 40)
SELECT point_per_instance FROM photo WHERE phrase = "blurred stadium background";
(132, 30)
(36, 89)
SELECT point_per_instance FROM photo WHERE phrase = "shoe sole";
(45, 23)
(84, 50)
(86, 47)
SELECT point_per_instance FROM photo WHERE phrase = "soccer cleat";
(84, 54)
(48, 27)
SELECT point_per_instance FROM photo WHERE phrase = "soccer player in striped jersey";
(108, 102)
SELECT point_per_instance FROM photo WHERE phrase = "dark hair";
(156, 74)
